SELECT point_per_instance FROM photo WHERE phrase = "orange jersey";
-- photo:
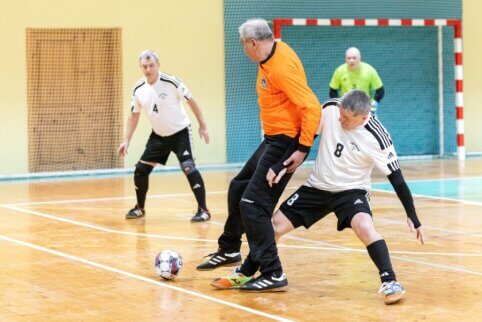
(287, 104)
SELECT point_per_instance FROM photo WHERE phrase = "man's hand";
(203, 134)
(294, 161)
(272, 178)
(122, 150)
(420, 234)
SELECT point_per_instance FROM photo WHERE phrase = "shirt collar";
(270, 54)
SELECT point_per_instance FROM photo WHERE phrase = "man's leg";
(362, 225)
(155, 152)
(229, 242)
(257, 206)
(281, 225)
(196, 183)
(141, 182)
(180, 144)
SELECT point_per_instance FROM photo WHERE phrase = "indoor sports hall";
(68, 70)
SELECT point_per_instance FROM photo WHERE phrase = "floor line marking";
(142, 278)
(467, 202)
(329, 245)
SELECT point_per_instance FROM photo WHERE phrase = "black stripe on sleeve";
(137, 87)
(383, 138)
(164, 79)
(331, 102)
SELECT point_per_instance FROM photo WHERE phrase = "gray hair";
(148, 54)
(353, 50)
(357, 102)
(255, 29)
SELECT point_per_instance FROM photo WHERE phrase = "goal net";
(74, 98)
(422, 107)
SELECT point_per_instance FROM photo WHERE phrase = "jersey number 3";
(339, 148)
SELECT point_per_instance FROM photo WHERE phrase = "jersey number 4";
(339, 148)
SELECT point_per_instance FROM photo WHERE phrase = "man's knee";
(281, 225)
(362, 225)
(188, 167)
(142, 169)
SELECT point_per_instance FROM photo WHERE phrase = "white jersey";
(162, 102)
(346, 157)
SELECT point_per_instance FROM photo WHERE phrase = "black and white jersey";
(346, 158)
(162, 102)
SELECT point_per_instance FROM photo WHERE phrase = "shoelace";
(210, 255)
(385, 286)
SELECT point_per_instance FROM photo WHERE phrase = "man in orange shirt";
(290, 115)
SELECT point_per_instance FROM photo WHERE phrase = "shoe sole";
(129, 217)
(392, 299)
(223, 265)
(202, 220)
(223, 287)
(271, 290)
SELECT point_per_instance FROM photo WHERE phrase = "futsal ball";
(168, 264)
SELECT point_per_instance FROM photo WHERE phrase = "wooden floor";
(68, 254)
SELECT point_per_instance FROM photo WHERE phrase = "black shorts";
(159, 147)
(308, 205)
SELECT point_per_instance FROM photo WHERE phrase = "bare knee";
(281, 225)
(362, 225)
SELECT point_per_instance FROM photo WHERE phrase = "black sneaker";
(135, 212)
(218, 259)
(266, 284)
(201, 215)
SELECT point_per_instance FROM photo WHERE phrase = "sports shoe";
(233, 281)
(201, 215)
(266, 284)
(135, 212)
(218, 259)
(392, 291)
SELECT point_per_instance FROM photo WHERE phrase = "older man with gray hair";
(160, 96)
(353, 141)
(355, 74)
(290, 115)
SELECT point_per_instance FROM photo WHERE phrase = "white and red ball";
(168, 264)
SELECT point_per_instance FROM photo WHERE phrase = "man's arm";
(203, 131)
(132, 122)
(379, 93)
(377, 84)
(333, 93)
(293, 83)
(403, 192)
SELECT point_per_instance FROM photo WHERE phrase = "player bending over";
(352, 142)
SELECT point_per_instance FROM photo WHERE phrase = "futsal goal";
(416, 59)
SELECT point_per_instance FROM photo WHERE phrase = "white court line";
(451, 268)
(330, 246)
(59, 202)
(440, 179)
(466, 202)
(142, 278)
(224, 192)
(431, 227)
(107, 230)
(344, 248)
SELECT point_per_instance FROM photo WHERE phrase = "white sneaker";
(392, 291)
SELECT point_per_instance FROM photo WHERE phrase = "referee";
(160, 96)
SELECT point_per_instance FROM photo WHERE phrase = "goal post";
(280, 23)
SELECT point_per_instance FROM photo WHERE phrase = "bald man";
(355, 74)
